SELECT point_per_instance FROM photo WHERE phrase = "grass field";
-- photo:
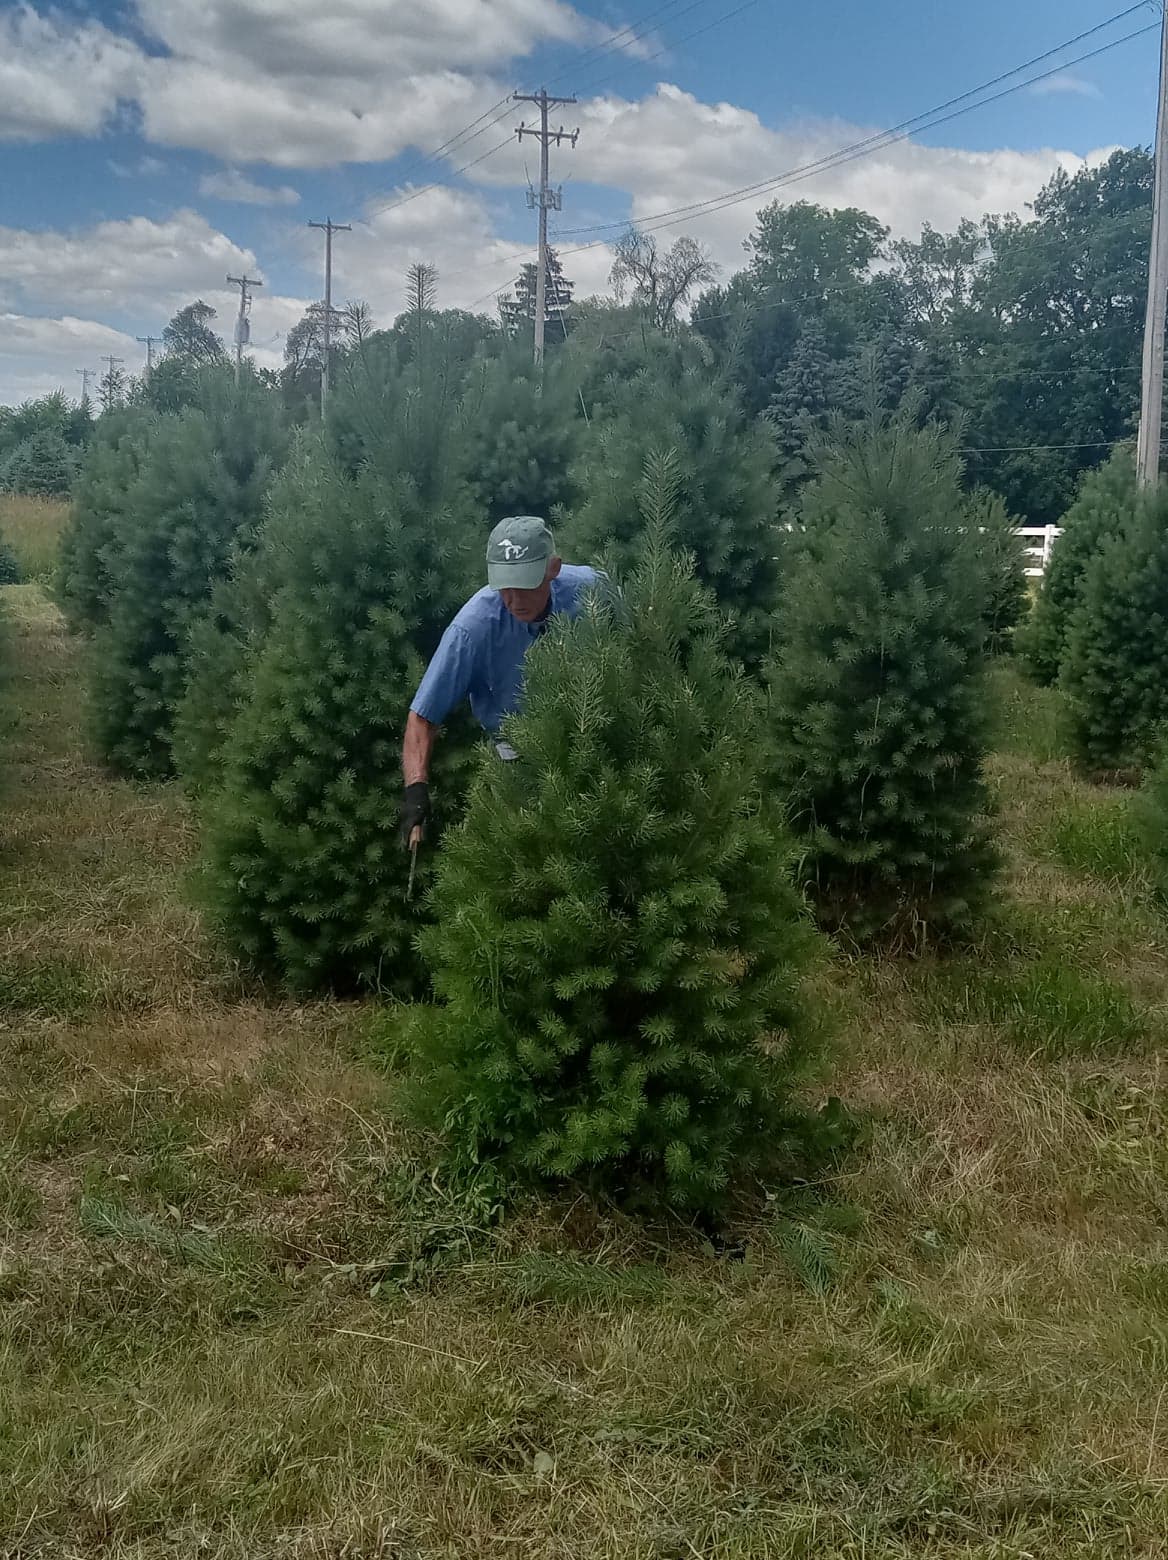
(32, 528)
(238, 1318)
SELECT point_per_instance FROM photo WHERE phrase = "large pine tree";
(726, 510)
(618, 945)
(876, 686)
(303, 867)
(200, 488)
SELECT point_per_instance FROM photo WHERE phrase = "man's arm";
(417, 747)
(445, 685)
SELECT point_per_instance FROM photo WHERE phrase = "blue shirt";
(481, 654)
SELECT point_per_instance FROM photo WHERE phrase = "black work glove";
(415, 810)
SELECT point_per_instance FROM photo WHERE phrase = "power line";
(898, 132)
(872, 143)
(611, 45)
(404, 200)
(718, 21)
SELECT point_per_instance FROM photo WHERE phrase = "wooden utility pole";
(1152, 386)
(149, 343)
(242, 329)
(328, 227)
(546, 196)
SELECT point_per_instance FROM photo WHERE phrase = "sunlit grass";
(240, 1319)
(32, 528)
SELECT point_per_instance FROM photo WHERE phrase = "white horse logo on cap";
(512, 550)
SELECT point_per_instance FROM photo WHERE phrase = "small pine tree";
(200, 489)
(1102, 509)
(303, 868)
(876, 686)
(9, 565)
(618, 943)
(726, 506)
(88, 573)
(1003, 557)
(1115, 661)
(801, 402)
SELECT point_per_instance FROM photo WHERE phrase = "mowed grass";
(240, 1317)
(32, 528)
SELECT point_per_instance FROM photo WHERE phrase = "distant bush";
(1003, 557)
(42, 466)
(9, 566)
(200, 487)
(1115, 661)
(88, 574)
(1103, 508)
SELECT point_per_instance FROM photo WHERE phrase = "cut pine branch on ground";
(238, 1318)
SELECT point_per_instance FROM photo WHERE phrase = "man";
(481, 654)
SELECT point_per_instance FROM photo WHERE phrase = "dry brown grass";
(32, 527)
(239, 1320)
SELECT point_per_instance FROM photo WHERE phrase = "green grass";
(240, 1317)
(32, 528)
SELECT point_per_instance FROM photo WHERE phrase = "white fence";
(1040, 540)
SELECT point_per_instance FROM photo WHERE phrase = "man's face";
(528, 606)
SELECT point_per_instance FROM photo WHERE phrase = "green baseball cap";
(518, 550)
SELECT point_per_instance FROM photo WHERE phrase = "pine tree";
(1115, 660)
(43, 465)
(1003, 557)
(801, 401)
(618, 944)
(520, 433)
(726, 505)
(200, 488)
(1103, 508)
(876, 686)
(304, 871)
(88, 573)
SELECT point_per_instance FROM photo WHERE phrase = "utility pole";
(547, 197)
(111, 363)
(1152, 386)
(242, 329)
(149, 343)
(86, 375)
(328, 227)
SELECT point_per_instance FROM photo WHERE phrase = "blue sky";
(151, 146)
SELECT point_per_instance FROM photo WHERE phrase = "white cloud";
(40, 355)
(57, 79)
(230, 184)
(1066, 82)
(670, 150)
(359, 39)
(137, 266)
(298, 85)
(143, 168)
